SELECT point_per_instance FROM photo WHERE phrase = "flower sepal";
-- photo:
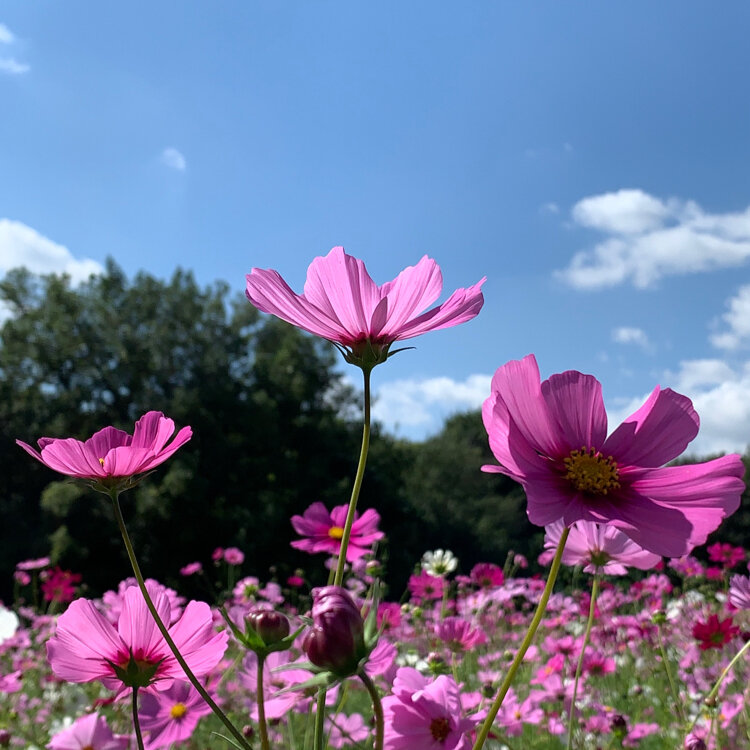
(136, 674)
(252, 640)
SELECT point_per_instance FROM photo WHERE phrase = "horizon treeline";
(275, 428)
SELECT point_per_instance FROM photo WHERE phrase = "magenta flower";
(422, 715)
(552, 438)
(90, 732)
(87, 647)
(325, 531)
(111, 453)
(424, 586)
(600, 549)
(459, 635)
(343, 304)
(171, 716)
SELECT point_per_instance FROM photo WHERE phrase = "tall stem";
(377, 709)
(320, 715)
(572, 717)
(524, 647)
(262, 705)
(136, 720)
(196, 683)
(668, 671)
(337, 581)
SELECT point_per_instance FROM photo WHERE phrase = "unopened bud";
(270, 625)
(4, 738)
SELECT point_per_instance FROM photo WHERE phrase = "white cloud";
(649, 238)
(629, 335)
(20, 245)
(738, 320)
(12, 66)
(172, 158)
(6, 35)
(720, 395)
(550, 208)
(416, 408)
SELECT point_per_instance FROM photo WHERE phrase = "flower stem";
(196, 683)
(320, 714)
(572, 717)
(337, 581)
(524, 647)
(377, 709)
(668, 671)
(261, 705)
(136, 720)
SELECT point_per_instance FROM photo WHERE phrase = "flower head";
(714, 633)
(343, 304)
(111, 455)
(551, 437)
(600, 549)
(325, 531)
(171, 716)
(60, 585)
(739, 592)
(87, 647)
(439, 563)
(90, 732)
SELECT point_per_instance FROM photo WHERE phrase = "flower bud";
(336, 640)
(270, 625)
(694, 743)
(5, 738)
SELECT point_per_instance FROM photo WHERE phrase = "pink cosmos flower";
(422, 715)
(343, 304)
(601, 549)
(487, 575)
(325, 531)
(726, 554)
(424, 586)
(87, 647)
(234, 556)
(191, 569)
(172, 715)
(552, 438)
(714, 632)
(345, 731)
(112, 453)
(90, 732)
(739, 592)
(35, 564)
(459, 635)
(60, 585)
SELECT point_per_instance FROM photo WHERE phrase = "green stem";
(261, 705)
(668, 671)
(377, 709)
(579, 668)
(320, 715)
(196, 683)
(337, 581)
(524, 647)
(136, 720)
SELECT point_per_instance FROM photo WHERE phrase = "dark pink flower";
(112, 453)
(325, 531)
(191, 569)
(423, 715)
(552, 438)
(233, 556)
(714, 633)
(343, 304)
(60, 585)
(87, 647)
(487, 575)
(599, 548)
(90, 732)
(172, 715)
(424, 586)
(459, 635)
(726, 554)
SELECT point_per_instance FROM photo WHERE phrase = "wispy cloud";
(174, 159)
(648, 238)
(11, 66)
(20, 245)
(6, 35)
(630, 335)
(416, 408)
(549, 208)
(737, 319)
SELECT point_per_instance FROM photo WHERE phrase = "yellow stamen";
(591, 472)
(101, 461)
(178, 710)
(336, 532)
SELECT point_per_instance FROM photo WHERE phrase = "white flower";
(8, 623)
(439, 563)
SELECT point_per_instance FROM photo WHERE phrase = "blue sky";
(590, 160)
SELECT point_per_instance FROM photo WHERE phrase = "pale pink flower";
(346, 731)
(459, 635)
(343, 304)
(35, 564)
(601, 549)
(172, 715)
(739, 592)
(325, 531)
(86, 647)
(423, 715)
(191, 569)
(551, 437)
(90, 732)
(234, 556)
(112, 453)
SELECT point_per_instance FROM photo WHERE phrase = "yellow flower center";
(336, 532)
(591, 472)
(101, 461)
(178, 710)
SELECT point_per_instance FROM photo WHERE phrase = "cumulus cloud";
(629, 335)
(174, 159)
(648, 238)
(416, 408)
(737, 319)
(6, 35)
(720, 395)
(20, 245)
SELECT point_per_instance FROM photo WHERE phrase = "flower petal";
(72, 457)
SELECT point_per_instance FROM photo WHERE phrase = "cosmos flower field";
(618, 636)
